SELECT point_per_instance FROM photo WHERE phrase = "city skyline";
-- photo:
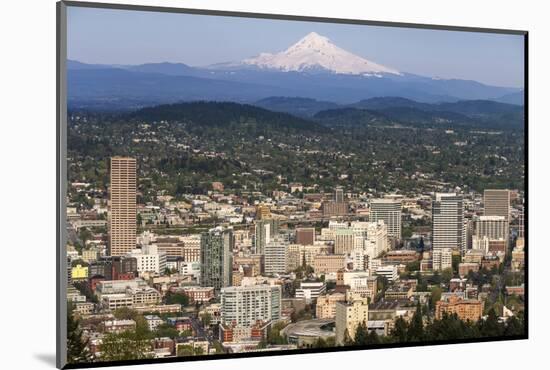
(312, 197)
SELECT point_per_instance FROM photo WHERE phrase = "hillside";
(224, 114)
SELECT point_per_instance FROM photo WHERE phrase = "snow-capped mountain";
(312, 68)
(316, 52)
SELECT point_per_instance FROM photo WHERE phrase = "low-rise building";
(311, 290)
(399, 292)
(153, 321)
(330, 263)
(79, 272)
(465, 309)
(389, 272)
(464, 268)
(199, 294)
(119, 326)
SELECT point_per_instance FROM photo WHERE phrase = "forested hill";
(218, 114)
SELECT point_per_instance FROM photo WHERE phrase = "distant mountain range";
(313, 68)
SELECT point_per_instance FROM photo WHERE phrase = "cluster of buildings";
(310, 268)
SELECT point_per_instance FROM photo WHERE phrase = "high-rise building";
(492, 227)
(339, 194)
(216, 258)
(122, 206)
(521, 224)
(275, 257)
(305, 235)
(348, 317)
(497, 203)
(332, 209)
(448, 222)
(246, 305)
(337, 206)
(389, 211)
(344, 241)
(264, 231)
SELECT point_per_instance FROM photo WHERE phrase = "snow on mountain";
(316, 52)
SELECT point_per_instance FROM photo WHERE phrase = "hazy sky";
(134, 37)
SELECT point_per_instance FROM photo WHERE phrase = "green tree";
(125, 313)
(415, 332)
(128, 345)
(166, 330)
(456, 261)
(176, 298)
(490, 327)
(373, 338)
(447, 275)
(77, 346)
(361, 334)
(435, 296)
(319, 343)
(274, 334)
(206, 319)
(188, 350)
(399, 332)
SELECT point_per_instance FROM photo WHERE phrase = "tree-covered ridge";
(183, 148)
(224, 114)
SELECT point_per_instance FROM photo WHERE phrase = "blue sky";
(134, 37)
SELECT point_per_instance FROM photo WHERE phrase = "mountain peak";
(312, 40)
(317, 52)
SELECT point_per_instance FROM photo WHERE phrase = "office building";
(264, 231)
(305, 235)
(122, 205)
(338, 194)
(376, 241)
(263, 212)
(149, 259)
(216, 258)
(448, 222)
(311, 290)
(247, 305)
(348, 317)
(389, 272)
(442, 259)
(344, 241)
(275, 257)
(497, 203)
(326, 305)
(333, 209)
(521, 224)
(492, 227)
(328, 263)
(389, 211)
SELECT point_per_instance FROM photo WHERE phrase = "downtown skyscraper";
(122, 205)
(448, 222)
(216, 258)
(389, 211)
(497, 203)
